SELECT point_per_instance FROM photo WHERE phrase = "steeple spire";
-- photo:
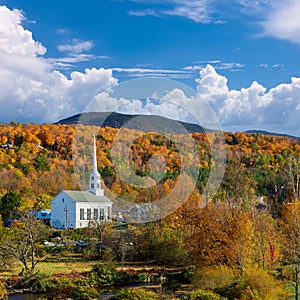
(95, 183)
(95, 168)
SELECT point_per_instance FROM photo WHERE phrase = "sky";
(240, 56)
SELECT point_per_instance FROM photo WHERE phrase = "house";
(76, 209)
(43, 215)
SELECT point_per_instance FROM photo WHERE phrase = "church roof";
(86, 196)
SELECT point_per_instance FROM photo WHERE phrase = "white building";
(75, 209)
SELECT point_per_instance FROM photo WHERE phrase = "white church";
(76, 209)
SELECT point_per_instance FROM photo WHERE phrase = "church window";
(89, 214)
(81, 213)
(101, 214)
(63, 200)
(108, 213)
(95, 214)
(98, 186)
(92, 185)
(92, 177)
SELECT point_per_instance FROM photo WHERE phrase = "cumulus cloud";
(14, 39)
(254, 107)
(30, 90)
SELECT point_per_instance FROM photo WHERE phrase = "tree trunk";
(297, 282)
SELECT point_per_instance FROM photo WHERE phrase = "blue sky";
(58, 53)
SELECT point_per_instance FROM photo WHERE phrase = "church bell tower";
(95, 182)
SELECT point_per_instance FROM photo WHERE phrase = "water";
(104, 295)
(25, 296)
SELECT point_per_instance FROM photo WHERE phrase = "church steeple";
(95, 183)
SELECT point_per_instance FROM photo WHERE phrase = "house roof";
(86, 196)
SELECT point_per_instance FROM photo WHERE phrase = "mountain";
(145, 123)
(142, 122)
(254, 131)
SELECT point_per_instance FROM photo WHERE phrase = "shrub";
(135, 294)
(171, 286)
(103, 274)
(262, 285)
(211, 278)
(255, 284)
(85, 293)
(188, 272)
(200, 294)
(3, 290)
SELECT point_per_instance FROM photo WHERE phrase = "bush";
(188, 272)
(135, 294)
(200, 294)
(211, 278)
(259, 284)
(3, 290)
(171, 286)
(255, 284)
(103, 274)
(127, 277)
(85, 293)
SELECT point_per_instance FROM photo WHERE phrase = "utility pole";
(66, 215)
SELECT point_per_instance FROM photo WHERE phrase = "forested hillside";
(36, 162)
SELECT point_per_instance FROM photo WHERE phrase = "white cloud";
(252, 107)
(256, 5)
(196, 10)
(142, 13)
(217, 64)
(19, 41)
(76, 46)
(68, 62)
(264, 65)
(199, 11)
(30, 90)
(283, 21)
(62, 30)
(152, 72)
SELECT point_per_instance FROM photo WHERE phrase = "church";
(76, 209)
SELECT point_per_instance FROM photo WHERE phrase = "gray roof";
(86, 196)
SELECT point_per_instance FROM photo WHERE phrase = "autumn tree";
(294, 176)
(101, 230)
(220, 237)
(290, 230)
(23, 240)
(266, 239)
(237, 187)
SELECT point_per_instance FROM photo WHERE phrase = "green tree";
(41, 163)
(9, 205)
